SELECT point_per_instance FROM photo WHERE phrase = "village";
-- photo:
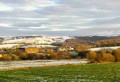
(43, 47)
(32, 45)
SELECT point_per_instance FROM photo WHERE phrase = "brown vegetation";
(7, 57)
(107, 42)
(82, 48)
(92, 56)
(64, 55)
(116, 54)
(100, 57)
(73, 42)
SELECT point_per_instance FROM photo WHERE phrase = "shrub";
(64, 55)
(116, 54)
(82, 54)
(92, 56)
(100, 57)
(7, 57)
(14, 51)
(105, 57)
(35, 56)
(23, 56)
(15, 57)
(42, 50)
(110, 57)
(18, 52)
(31, 56)
(51, 55)
(82, 48)
(40, 56)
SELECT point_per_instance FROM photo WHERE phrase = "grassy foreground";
(69, 73)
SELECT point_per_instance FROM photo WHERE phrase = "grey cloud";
(86, 16)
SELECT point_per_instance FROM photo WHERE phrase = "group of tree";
(73, 42)
(16, 54)
(45, 53)
(101, 56)
(98, 56)
(107, 42)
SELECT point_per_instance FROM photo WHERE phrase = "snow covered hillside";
(37, 40)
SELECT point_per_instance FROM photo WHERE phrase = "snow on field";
(38, 63)
(102, 48)
(39, 46)
(37, 40)
(8, 45)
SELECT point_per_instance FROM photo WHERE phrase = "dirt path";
(38, 63)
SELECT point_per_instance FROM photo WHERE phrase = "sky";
(59, 17)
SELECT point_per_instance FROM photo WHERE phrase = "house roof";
(3, 52)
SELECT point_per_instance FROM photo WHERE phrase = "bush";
(36, 56)
(116, 54)
(82, 48)
(100, 57)
(110, 58)
(7, 57)
(23, 56)
(64, 55)
(51, 55)
(40, 56)
(105, 57)
(15, 57)
(82, 54)
(31, 56)
(14, 51)
(92, 56)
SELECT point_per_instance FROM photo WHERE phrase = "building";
(3, 53)
(30, 50)
(65, 49)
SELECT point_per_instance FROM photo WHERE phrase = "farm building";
(65, 49)
(3, 53)
(30, 50)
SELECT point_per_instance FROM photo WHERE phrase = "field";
(68, 73)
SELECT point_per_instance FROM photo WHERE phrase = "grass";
(109, 72)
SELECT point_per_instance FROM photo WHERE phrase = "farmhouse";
(30, 50)
(65, 49)
(3, 53)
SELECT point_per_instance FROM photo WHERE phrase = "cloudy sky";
(60, 17)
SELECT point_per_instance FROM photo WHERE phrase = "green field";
(69, 73)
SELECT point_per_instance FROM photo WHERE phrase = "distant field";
(69, 73)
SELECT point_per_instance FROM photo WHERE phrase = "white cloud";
(31, 5)
(99, 10)
(40, 3)
(38, 19)
(5, 25)
(24, 29)
(27, 8)
(41, 27)
(63, 29)
(4, 7)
